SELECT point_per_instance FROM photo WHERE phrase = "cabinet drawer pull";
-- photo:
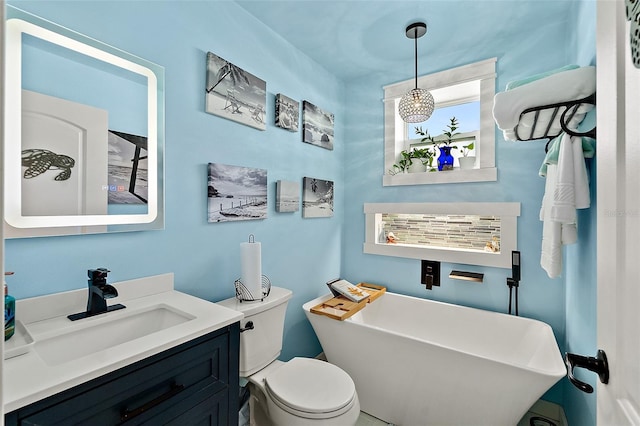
(130, 414)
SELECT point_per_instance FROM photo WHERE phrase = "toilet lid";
(311, 386)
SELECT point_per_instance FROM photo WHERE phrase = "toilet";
(302, 391)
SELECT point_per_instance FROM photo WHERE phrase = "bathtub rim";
(561, 367)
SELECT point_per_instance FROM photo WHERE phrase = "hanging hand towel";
(566, 189)
(588, 151)
(580, 179)
(572, 188)
(551, 255)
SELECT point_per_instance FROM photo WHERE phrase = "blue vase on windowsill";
(445, 160)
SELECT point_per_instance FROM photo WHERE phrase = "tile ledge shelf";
(507, 211)
(436, 247)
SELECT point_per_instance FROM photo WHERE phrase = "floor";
(368, 420)
(530, 419)
(536, 419)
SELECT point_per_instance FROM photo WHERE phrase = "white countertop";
(28, 378)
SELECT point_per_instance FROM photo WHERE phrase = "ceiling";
(354, 38)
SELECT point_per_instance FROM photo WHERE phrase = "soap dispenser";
(9, 312)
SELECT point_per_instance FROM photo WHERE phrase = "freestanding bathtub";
(419, 362)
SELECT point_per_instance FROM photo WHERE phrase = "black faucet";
(99, 292)
(514, 281)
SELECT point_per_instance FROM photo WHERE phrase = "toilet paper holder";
(244, 295)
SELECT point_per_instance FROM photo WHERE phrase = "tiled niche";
(469, 232)
(466, 233)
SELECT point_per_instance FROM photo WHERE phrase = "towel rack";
(570, 109)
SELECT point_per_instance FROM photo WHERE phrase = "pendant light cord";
(416, 53)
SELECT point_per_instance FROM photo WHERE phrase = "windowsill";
(487, 174)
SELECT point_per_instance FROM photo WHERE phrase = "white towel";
(580, 179)
(561, 87)
(551, 255)
(571, 191)
(566, 189)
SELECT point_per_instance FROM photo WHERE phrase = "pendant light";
(417, 105)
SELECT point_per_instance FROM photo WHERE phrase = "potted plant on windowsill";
(402, 166)
(445, 159)
(416, 160)
(467, 161)
(426, 156)
(417, 164)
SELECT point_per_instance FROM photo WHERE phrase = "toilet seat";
(310, 388)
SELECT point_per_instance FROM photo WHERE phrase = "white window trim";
(508, 213)
(395, 138)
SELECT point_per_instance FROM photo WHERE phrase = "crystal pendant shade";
(416, 106)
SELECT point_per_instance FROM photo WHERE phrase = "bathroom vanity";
(171, 359)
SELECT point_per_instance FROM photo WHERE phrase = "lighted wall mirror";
(84, 134)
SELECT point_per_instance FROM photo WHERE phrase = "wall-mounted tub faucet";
(99, 292)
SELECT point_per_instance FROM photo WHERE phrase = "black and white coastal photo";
(287, 113)
(317, 198)
(287, 196)
(234, 93)
(317, 126)
(236, 193)
(127, 168)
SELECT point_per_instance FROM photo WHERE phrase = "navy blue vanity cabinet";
(195, 383)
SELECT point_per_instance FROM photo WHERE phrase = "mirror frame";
(18, 23)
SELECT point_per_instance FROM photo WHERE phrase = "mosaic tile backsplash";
(469, 232)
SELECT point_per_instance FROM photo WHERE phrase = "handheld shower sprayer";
(514, 281)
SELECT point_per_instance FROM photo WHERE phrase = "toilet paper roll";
(251, 264)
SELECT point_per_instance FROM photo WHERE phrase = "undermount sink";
(93, 335)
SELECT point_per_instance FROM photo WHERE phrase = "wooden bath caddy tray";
(341, 308)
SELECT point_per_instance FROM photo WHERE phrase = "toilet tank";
(261, 345)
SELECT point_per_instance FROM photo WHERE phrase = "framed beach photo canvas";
(236, 193)
(287, 113)
(317, 126)
(317, 198)
(234, 93)
(127, 166)
(287, 196)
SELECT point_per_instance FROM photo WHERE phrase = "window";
(467, 233)
(465, 92)
(468, 116)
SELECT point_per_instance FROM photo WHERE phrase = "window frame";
(395, 138)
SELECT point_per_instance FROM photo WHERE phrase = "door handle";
(596, 364)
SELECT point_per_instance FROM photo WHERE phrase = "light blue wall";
(300, 254)
(529, 52)
(581, 259)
